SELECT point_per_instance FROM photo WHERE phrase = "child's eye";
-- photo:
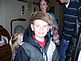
(45, 26)
(37, 25)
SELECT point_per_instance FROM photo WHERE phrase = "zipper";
(43, 54)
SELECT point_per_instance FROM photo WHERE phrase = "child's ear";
(32, 27)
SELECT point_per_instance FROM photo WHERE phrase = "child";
(38, 47)
(15, 41)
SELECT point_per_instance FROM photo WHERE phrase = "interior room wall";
(12, 9)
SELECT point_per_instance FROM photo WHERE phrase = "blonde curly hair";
(15, 41)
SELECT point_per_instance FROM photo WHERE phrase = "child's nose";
(41, 28)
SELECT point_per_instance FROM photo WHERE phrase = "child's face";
(40, 28)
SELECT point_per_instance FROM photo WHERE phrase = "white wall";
(11, 9)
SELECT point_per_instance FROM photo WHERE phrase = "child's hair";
(15, 41)
(41, 15)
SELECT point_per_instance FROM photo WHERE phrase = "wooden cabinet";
(5, 53)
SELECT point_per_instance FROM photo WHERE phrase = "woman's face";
(43, 6)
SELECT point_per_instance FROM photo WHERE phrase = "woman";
(43, 5)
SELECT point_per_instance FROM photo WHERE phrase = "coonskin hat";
(40, 15)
